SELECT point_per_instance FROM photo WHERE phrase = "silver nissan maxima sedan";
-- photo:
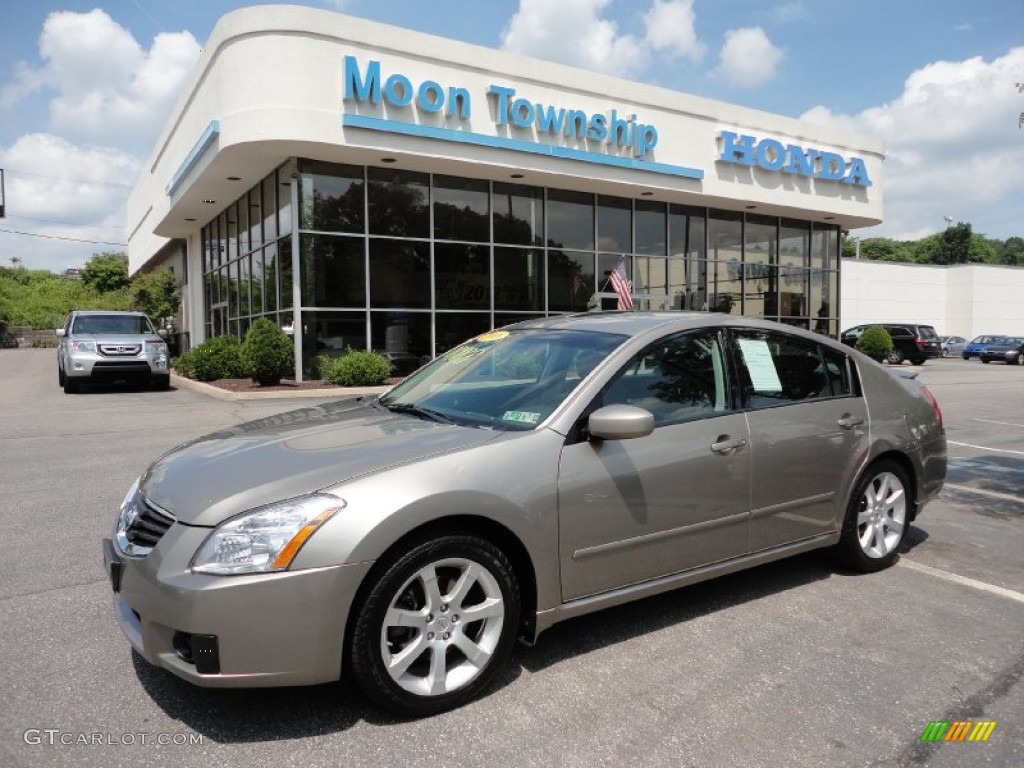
(534, 473)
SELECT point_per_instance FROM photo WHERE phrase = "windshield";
(508, 380)
(128, 324)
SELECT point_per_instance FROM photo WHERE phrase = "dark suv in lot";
(912, 342)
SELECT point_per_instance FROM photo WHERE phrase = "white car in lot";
(108, 346)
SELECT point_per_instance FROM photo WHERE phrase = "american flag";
(621, 285)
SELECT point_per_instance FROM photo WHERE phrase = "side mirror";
(620, 422)
(162, 333)
(59, 332)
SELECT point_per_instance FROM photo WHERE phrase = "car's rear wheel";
(985, 361)
(435, 626)
(877, 518)
(895, 356)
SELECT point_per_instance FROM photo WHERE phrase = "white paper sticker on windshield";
(523, 417)
(759, 362)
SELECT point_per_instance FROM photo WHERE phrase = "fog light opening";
(183, 647)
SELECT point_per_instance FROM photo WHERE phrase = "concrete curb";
(209, 390)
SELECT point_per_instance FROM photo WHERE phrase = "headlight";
(83, 346)
(265, 539)
(156, 347)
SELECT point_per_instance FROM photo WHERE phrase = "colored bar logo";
(958, 730)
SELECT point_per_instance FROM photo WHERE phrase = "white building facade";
(373, 187)
(960, 300)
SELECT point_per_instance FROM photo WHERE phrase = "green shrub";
(183, 365)
(268, 352)
(217, 358)
(875, 342)
(356, 369)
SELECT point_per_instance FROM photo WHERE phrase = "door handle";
(847, 421)
(726, 444)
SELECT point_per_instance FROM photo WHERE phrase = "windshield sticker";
(521, 417)
(760, 365)
(463, 352)
(492, 336)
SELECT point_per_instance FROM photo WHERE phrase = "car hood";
(221, 474)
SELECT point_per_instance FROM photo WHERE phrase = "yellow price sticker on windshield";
(492, 336)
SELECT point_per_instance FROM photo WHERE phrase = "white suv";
(99, 346)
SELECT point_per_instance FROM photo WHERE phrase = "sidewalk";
(180, 382)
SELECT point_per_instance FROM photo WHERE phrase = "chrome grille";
(148, 525)
(120, 350)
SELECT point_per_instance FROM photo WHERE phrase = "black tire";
(162, 383)
(986, 362)
(70, 386)
(871, 538)
(61, 378)
(919, 361)
(397, 582)
(967, 357)
(896, 356)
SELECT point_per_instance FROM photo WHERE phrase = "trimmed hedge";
(216, 358)
(356, 368)
(268, 353)
(875, 342)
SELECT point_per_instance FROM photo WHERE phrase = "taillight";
(920, 342)
(935, 404)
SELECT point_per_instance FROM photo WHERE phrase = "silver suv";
(101, 346)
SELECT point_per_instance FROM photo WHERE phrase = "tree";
(1011, 252)
(156, 294)
(954, 245)
(107, 271)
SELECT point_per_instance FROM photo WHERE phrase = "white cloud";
(670, 27)
(50, 178)
(953, 147)
(107, 86)
(788, 12)
(748, 58)
(573, 32)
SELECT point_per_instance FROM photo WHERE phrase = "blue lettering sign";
(430, 97)
(772, 155)
(398, 91)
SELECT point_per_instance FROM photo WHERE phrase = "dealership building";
(371, 187)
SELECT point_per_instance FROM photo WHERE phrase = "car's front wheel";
(70, 385)
(436, 625)
(877, 517)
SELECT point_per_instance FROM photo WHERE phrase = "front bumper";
(269, 629)
(94, 367)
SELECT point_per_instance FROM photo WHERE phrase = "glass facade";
(411, 264)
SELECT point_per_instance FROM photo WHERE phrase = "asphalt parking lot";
(797, 663)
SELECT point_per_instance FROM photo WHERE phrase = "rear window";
(927, 332)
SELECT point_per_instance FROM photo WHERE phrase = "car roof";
(107, 312)
(633, 324)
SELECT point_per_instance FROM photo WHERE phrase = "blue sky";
(85, 87)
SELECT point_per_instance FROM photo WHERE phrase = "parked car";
(1009, 350)
(952, 346)
(109, 346)
(912, 342)
(978, 343)
(530, 475)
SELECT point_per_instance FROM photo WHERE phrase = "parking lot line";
(1003, 423)
(983, 492)
(984, 448)
(1009, 594)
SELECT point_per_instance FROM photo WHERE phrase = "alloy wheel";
(882, 515)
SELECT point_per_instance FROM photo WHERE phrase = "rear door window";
(777, 369)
